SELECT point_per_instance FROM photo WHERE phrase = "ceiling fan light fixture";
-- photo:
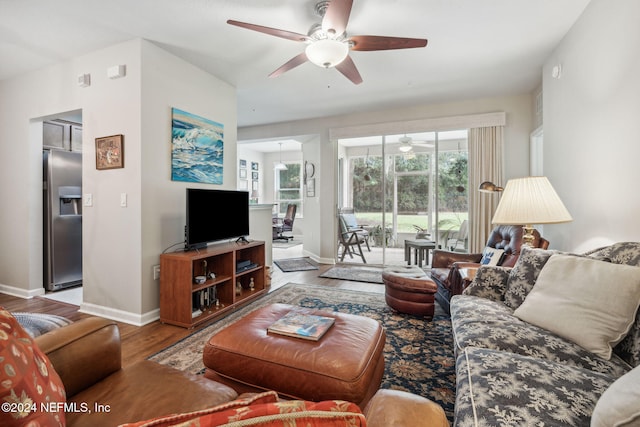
(405, 148)
(327, 53)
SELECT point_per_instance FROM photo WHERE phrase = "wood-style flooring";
(140, 342)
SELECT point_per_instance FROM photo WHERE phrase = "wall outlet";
(156, 272)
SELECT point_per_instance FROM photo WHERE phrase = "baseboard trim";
(21, 293)
(318, 259)
(120, 315)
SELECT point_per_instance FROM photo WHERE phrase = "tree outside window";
(288, 188)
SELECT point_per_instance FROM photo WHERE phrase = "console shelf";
(185, 303)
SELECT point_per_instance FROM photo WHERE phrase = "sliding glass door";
(399, 186)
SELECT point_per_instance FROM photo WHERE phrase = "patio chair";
(351, 223)
(348, 239)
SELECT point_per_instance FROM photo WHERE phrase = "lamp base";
(527, 237)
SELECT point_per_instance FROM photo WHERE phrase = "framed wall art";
(197, 148)
(311, 187)
(110, 152)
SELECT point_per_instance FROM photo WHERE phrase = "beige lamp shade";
(530, 200)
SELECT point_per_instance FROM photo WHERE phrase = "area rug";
(356, 273)
(37, 323)
(295, 264)
(418, 354)
(285, 244)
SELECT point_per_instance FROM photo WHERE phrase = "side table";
(421, 249)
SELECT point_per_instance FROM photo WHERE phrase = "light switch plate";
(123, 200)
(88, 199)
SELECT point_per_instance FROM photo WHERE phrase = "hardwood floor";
(140, 342)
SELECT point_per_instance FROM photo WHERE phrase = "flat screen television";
(214, 215)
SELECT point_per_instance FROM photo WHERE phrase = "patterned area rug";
(355, 273)
(295, 264)
(37, 324)
(418, 354)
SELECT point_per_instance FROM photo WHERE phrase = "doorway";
(401, 187)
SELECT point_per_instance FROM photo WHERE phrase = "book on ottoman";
(300, 325)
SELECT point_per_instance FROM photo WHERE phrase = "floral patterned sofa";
(511, 372)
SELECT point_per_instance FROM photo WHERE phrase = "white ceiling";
(477, 48)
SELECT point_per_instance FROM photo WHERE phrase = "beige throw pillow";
(590, 302)
(619, 406)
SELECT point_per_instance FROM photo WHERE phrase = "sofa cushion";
(28, 380)
(490, 283)
(495, 388)
(264, 409)
(478, 322)
(524, 274)
(590, 302)
(619, 406)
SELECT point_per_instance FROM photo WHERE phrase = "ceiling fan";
(406, 143)
(328, 44)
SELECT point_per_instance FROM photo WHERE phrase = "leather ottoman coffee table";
(347, 363)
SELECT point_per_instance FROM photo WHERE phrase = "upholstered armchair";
(446, 265)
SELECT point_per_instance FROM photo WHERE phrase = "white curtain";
(485, 164)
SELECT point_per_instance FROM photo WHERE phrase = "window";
(288, 187)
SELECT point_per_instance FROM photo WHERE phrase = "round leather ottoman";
(347, 363)
(410, 290)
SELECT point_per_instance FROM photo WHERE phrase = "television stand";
(183, 302)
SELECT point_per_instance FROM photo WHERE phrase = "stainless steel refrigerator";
(62, 176)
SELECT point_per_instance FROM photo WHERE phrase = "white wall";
(120, 245)
(591, 127)
(168, 81)
(517, 130)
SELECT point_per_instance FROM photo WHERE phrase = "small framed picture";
(254, 166)
(110, 152)
(254, 186)
(254, 176)
(242, 173)
(311, 187)
(243, 184)
(243, 164)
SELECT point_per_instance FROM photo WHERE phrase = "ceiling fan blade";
(336, 16)
(385, 43)
(289, 35)
(348, 68)
(292, 63)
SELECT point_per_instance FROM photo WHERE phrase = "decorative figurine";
(238, 288)
(252, 285)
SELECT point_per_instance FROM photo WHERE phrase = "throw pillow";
(31, 391)
(590, 302)
(489, 283)
(492, 256)
(264, 409)
(619, 405)
(523, 275)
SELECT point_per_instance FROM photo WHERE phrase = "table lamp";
(527, 201)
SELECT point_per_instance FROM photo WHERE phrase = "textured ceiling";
(477, 48)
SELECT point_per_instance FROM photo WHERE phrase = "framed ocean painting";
(197, 148)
